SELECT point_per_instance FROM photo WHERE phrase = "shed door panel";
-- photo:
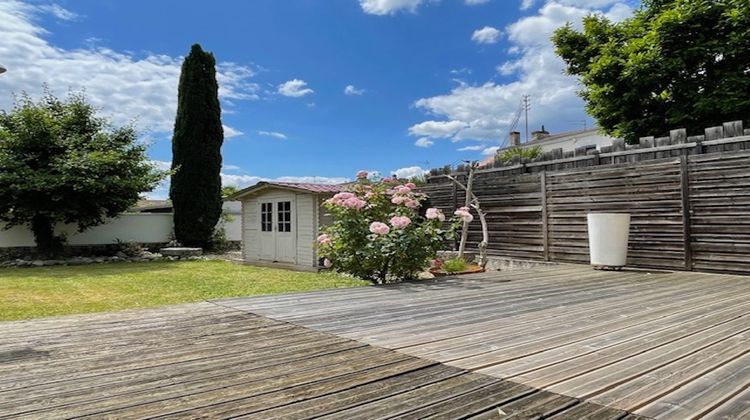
(286, 234)
(267, 236)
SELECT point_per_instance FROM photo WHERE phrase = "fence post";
(685, 195)
(545, 226)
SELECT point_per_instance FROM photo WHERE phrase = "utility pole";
(526, 103)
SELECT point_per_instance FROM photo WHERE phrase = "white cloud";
(484, 112)
(490, 150)
(471, 148)
(274, 134)
(462, 70)
(588, 4)
(391, 7)
(486, 35)
(409, 172)
(437, 129)
(162, 165)
(526, 4)
(230, 132)
(351, 90)
(57, 11)
(294, 88)
(243, 181)
(388, 7)
(424, 142)
(238, 180)
(125, 87)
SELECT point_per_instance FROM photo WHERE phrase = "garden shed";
(280, 222)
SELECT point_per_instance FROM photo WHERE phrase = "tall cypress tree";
(195, 190)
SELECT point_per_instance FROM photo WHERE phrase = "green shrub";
(454, 265)
(378, 233)
(522, 152)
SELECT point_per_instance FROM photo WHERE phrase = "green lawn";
(37, 292)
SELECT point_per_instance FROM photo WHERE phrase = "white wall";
(573, 141)
(233, 228)
(128, 227)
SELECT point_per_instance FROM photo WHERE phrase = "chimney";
(539, 134)
(515, 138)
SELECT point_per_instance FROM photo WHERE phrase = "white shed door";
(278, 236)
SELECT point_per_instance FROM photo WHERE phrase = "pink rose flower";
(398, 199)
(412, 204)
(327, 263)
(324, 239)
(343, 195)
(361, 174)
(433, 213)
(388, 180)
(400, 222)
(464, 214)
(437, 263)
(411, 185)
(354, 203)
(403, 189)
(340, 198)
(369, 194)
(379, 228)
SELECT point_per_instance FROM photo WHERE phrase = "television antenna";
(523, 109)
(582, 123)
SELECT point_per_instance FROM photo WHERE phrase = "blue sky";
(310, 89)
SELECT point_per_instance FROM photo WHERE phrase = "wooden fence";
(689, 198)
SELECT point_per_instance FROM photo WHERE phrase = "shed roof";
(291, 186)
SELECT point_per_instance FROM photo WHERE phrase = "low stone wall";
(509, 264)
(109, 250)
(495, 263)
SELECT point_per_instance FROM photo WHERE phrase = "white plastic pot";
(608, 239)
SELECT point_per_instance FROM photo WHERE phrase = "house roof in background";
(291, 186)
(552, 138)
(146, 205)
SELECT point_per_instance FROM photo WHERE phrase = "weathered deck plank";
(643, 341)
(219, 362)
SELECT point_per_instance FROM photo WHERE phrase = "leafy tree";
(673, 64)
(196, 151)
(59, 163)
(524, 152)
(228, 190)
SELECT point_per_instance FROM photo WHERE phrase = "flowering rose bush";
(378, 233)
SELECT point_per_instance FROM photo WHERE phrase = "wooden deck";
(209, 360)
(662, 345)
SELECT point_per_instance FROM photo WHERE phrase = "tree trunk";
(467, 203)
(44, 235)
(485, 238)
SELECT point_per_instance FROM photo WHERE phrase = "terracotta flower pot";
(470, 269)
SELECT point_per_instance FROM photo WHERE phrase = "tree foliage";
(507, 155)
(60, 163)
(673, 64)
(196, 151)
